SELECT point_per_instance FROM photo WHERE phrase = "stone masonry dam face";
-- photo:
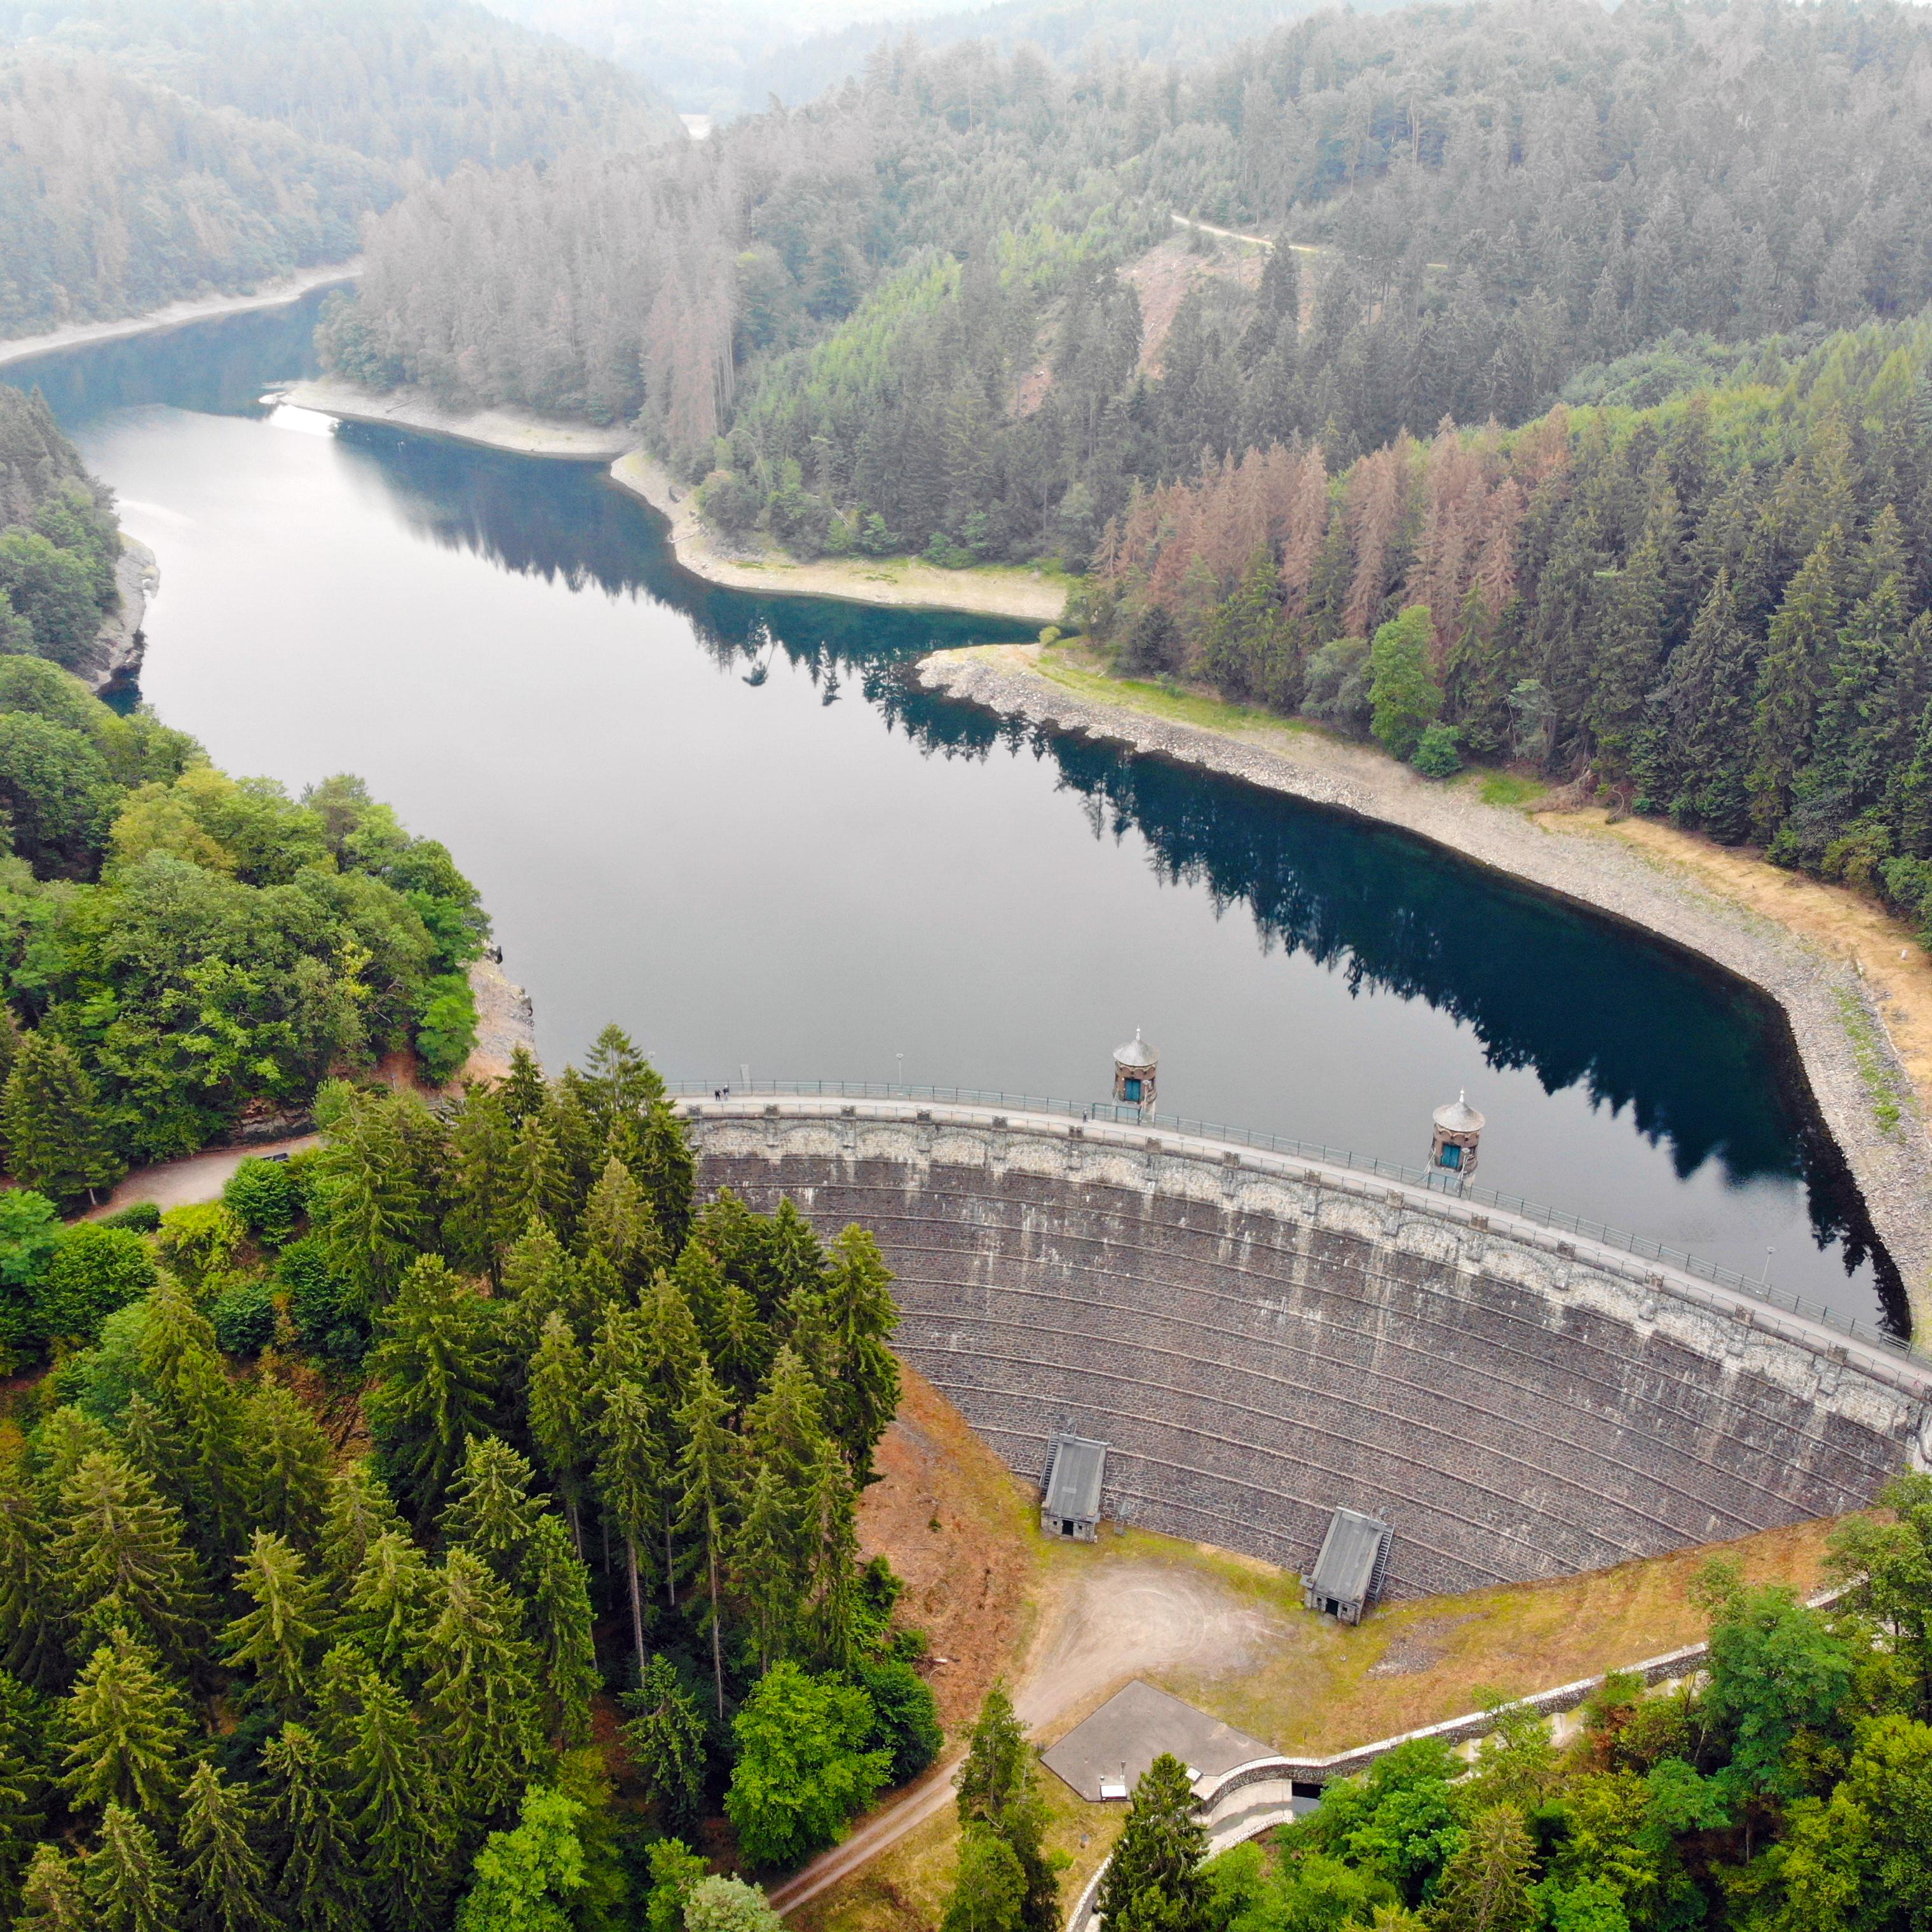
(1261, 1338)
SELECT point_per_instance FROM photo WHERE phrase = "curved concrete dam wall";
(1261, 1338)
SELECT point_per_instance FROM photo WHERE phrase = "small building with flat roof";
(1347, 1573)
(1069, 1485)
(1104, 1757)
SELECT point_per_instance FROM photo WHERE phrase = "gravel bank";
(179, 315)
(1841, 1035)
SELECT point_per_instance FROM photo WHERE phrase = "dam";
(1262, 1336)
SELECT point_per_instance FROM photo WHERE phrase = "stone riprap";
(1261, 1337)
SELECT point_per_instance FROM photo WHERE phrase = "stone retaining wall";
(1261, 1338)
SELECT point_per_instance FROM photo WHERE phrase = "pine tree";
(1485, 1886)
(397, 1808)
(998, 1792)
(436, 1373)
(560, 1422)
(1154, 1881)
(479, 1681)
(281, 1638)
(119, 1558)
(319, 1886)
(56, 1134)
(130, 1885)
(286, 1459)
(707, 1483)
(665, 1740)
(226, 1879)
(127, 1730)
(557, 1588)
(51, 1896)
(490, 1512)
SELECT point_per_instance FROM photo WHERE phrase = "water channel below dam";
(731, 824)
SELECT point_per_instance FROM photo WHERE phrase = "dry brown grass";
(1314, 1687)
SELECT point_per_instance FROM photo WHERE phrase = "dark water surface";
(731, 825)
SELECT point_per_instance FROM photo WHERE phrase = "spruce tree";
(127, 1730)
(482, 1218)
(1791, 681)
(1485, 1886)
(851, 1318)
(182, 1363)
(436, 1372)
(57, 1136)
(540, 1177)
(619, 1224)
(631, 1482)
(396, 1807)
(1154, 1881)
(393, 1604)
(118, 1559)
(998, 1792)
(523, 1091)
(708, 1475)
(557, 1589)
(665, 1741)
(226, 1883)
(988, 1888)
(359, 1510)
(557, 1402)
(318, 1885)
(129, 1884)
(281, 1637)
(286, 1458)
(52, 1899)
(490, 1512)
(479, 1682)
(32, 1630)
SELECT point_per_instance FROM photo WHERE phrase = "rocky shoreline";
(1839, 1033)
(113, 660)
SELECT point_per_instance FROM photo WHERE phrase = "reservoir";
(733, 826)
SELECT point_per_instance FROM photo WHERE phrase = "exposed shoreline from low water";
(179, 315)
(1855, 1014)
(1011, 592)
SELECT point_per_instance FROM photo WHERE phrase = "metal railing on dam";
(1600, 1233)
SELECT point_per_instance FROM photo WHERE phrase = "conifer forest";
(455, 1525)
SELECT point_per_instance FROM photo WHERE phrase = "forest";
(1787, 1788)
(157, 151)
(182, 953)
(346, 1501)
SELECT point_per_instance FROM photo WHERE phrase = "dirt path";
(200, 1176)
(1098, 1626)
(177, 315)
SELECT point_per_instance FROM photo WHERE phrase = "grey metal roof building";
(1070, 1487)
(1348, 1572)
